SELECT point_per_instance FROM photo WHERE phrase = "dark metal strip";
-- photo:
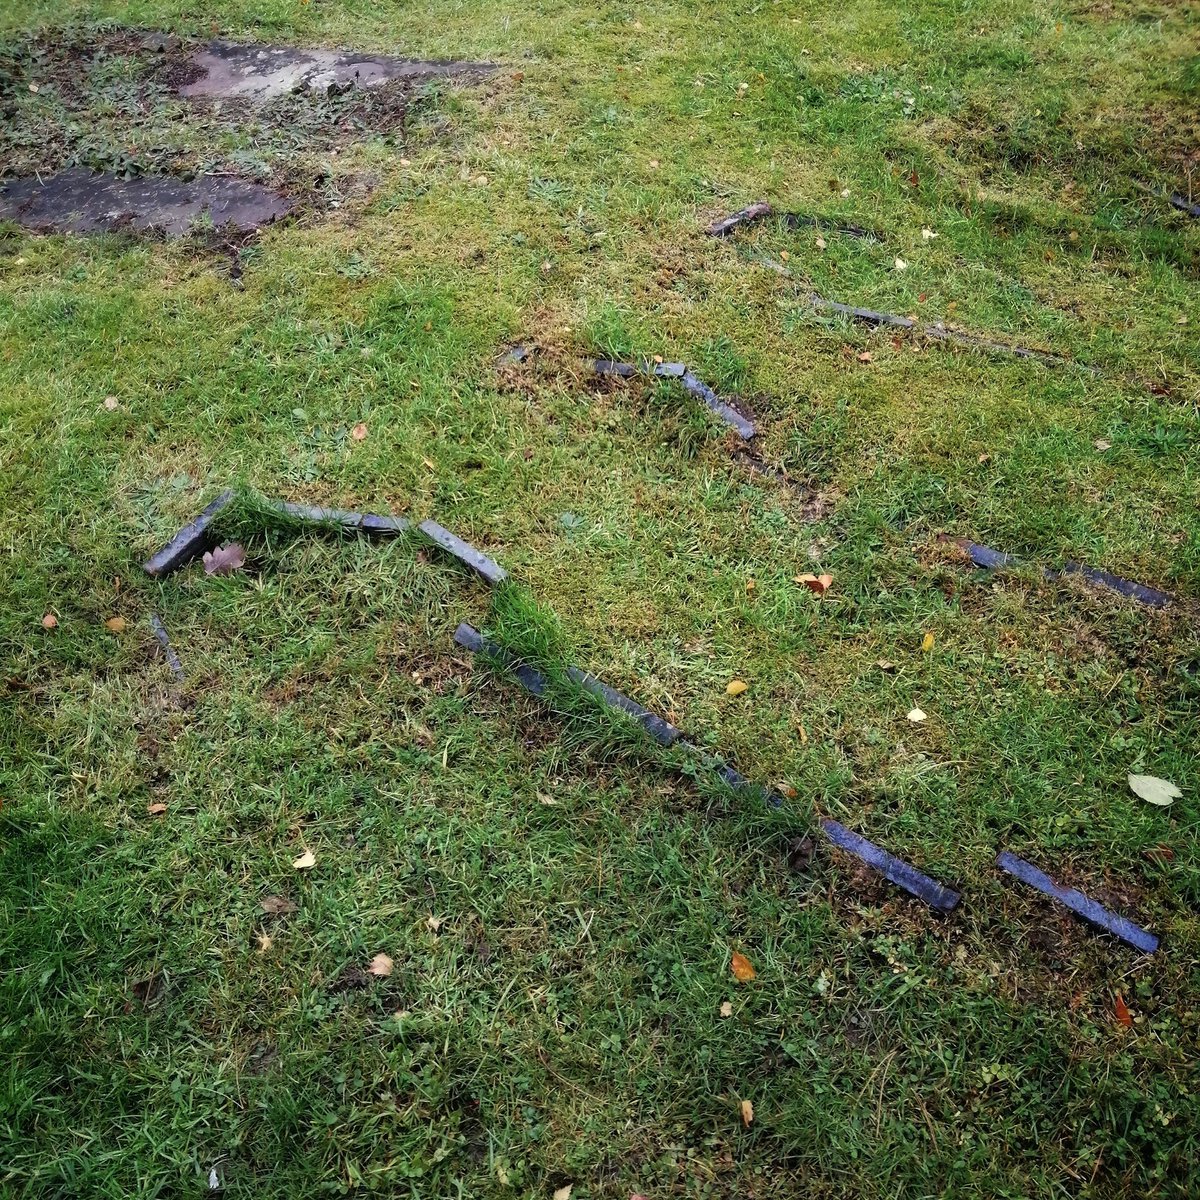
(1078, 903)
(189, 543)
(464, 552)
(890, 867)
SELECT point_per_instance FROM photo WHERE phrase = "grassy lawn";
(560, 898)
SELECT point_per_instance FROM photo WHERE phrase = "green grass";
(562, 1024)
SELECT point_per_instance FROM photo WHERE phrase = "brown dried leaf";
(116, 624)
(224, 560)
(359, 432)
(49, 621)
(156, 810)
(305, 862)
(277, 905)
(735, 687)
(747, 1112)
(381, 965)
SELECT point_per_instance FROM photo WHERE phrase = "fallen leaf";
(277, 904)
(885, 665)
(865, 356)
(815, 583)
(564, 1192)
(927, 234)
(784, 256)
(742, 968)
(305, 862)
(914, 179)
(381, 965)
(264, 943)
(156, 810)
(927, 643)
(406, 162)
(727, 1009)
(1121, 1009)
(915, 715)
(49, 621)
(802, 733)
(751, 585)
(1154, 790)
(548, 801)
(654, 164)
(359, 432)
(984, 457)
(735, 687)
(225, 559)
(747, 1112)
(821, 243)
(1102, 444)
(434, 923)
(845, 193)
(901, 265)
(111, 403)
(116, 624)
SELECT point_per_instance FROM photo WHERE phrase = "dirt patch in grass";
(138, 105)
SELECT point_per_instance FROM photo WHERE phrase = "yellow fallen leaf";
(747, 1112)
(264, 943)
(916, 716)
(435, 923)
(727, 1009)
(306, 861)
(564, 1192)
(548, 801)
(380, 965)
(751, 585)
(742, 968)
(803, 735)
(927, 643)
(116, 624)
(156, 810)
(736, 687)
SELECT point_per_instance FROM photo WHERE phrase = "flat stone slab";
(259, 72)
(78, 201)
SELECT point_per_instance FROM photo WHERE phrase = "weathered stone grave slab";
(79, 201)
(260, 72)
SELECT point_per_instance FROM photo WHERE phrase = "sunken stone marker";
(78, 201)
(259, 72)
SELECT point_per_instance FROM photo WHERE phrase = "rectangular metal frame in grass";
(1090, 910)
(892, 868)
(196, 537)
